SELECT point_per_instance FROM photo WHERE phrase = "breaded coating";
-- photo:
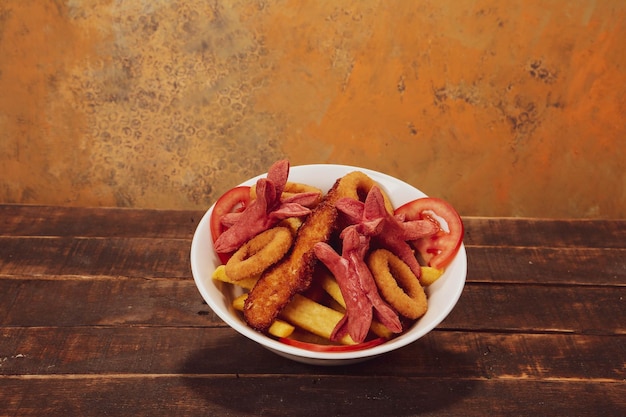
(293, 274)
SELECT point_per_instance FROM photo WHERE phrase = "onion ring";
(357, 185)
(398, 285)
(259, 253)
(291, 189)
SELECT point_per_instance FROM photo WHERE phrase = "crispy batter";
(293, 274)
(398, 284)
(293, 189)
(357, 185)
(259, 253)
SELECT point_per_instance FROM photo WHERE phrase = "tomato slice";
(315, 347)
(437, 250)
(232, 201)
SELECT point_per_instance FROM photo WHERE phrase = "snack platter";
(442, 294)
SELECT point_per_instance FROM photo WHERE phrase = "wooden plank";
(254, 395)
(510, 231)
(575, 266)
(540, 308)
(217, 351)
(115, 326)
(26, 220)
(148, 257)
(130, 257)
(105, 302)
(76, 302)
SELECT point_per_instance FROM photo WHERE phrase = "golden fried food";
(301, 311)
(311, 273)
(329, 284)
(259, 253)
(294, 272)
(247, 283)
(279, 328)
(398, 285)
(357, 185)
(430, 275)
(293, 189)
(314, 318)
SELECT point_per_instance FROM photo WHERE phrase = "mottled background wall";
(502, 107)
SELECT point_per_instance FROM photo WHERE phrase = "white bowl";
(442, 295)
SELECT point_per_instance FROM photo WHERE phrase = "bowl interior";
(442, 295)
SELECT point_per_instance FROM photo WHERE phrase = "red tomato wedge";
(232, 201)
(315, 347)
(437, 250)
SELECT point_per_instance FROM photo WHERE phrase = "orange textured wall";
(504, 108)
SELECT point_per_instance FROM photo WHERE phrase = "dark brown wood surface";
(99, 315)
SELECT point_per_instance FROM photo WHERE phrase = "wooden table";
(99, 315)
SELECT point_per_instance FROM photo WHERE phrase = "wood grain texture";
(33, 220)
(442, 354)
(553, 233)
(99, 315)
(171, 302)
(306, 395)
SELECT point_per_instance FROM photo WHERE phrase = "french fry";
(238, 302)
(280, 328)
(313, 317)
(306, 314)
(220, 275)
(430, 275)
(303, 312)
(330, 285)
(332, 303)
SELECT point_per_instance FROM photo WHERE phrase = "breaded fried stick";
(294, 272)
